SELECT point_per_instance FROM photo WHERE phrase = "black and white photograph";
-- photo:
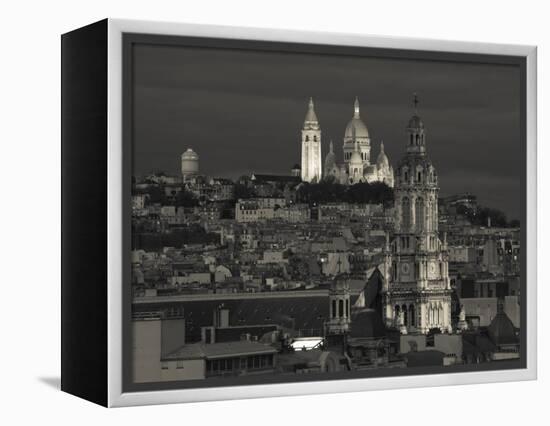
(244, 213)
(308, 215)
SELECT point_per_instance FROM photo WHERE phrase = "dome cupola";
(382, 160)
(356, 123)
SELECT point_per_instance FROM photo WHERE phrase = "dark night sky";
(242, 112)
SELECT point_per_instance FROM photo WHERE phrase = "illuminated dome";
(382, 160)
(356, 124)
(189, 163)
(330, 159)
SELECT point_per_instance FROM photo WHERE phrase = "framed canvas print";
(251, 212)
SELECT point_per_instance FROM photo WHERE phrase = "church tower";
(417, 293)
(311, 146)
(339, 306)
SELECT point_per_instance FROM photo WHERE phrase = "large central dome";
(356, 124)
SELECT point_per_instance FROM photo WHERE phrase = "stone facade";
(417, 292)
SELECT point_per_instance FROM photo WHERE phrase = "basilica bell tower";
(417, 293)
(311, 146)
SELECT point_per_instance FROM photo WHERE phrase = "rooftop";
(219, 350)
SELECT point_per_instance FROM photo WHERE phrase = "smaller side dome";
(330, 159)
(382, 160)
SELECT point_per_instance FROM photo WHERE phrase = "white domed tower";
(418, 291)
(189, 164)
(311, 146)
(356, 131)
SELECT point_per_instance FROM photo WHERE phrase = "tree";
(514, 223)
(243, 191)
(328, 191)
(186, 198)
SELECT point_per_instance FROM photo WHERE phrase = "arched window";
(314, 138)
(434, 215)
(340, 308)
(412, 139)
(419, 214)
(417, 139)
(412, 318)
(307, 138)
(347, 308)
(406, 213)
(419, 176)
(333, 308)
(405, 316)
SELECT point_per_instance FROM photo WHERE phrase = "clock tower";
(417, 293)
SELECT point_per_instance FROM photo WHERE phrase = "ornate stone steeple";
(418, 288)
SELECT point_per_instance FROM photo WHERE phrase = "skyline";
(253, 107)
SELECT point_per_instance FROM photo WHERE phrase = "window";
(164, 365)
(307, 138)
(334, 309)
(406, 212)
(340, 308)
(179, 364)
(419, 214)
